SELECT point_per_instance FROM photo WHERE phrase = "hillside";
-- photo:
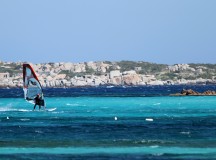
(110, 73)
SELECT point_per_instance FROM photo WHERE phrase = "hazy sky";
(161, 31)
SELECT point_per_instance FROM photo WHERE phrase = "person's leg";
(34, 106)
(39, 107)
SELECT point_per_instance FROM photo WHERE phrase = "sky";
(158, 31)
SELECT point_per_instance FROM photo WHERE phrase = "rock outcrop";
(191, 92)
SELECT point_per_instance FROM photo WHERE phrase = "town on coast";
(108, 73)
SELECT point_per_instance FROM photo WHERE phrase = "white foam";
(104, 107)
(109, 86)
(57, 112)
(38, 131)
(4, 109)
(8, 109)
(185, 133)
(149, 119)
(51, 109)
(7, 117)
(75, 104)
(24, 119)
(115, 118)
(24, 110)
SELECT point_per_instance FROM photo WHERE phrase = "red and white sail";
(31, 84)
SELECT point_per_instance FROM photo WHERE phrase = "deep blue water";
(121, 91)
(109, 123)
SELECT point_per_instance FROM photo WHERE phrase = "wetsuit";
(37, 102)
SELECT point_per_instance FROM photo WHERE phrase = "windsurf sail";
(31, 85)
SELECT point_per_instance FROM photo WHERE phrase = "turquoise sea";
(131, 123)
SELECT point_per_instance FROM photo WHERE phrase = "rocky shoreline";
(96, 81)
(126, 73)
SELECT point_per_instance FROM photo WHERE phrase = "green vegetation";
(89, 70)
(11, 68)
(207, 75)
(108, 62)
(208, 66)
(72, 74)
(167, 76)
(146, 67)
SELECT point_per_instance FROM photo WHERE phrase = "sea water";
(109, 123)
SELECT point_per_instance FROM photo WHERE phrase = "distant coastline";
(106, 73)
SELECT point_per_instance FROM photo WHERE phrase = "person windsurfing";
(37, 100)
(33, 92)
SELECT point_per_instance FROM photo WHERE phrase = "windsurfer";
(37, 101)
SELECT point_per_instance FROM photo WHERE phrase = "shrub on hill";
(147, 68)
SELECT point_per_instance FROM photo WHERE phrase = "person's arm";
(27, 98)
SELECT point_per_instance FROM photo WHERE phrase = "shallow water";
(102, 127)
